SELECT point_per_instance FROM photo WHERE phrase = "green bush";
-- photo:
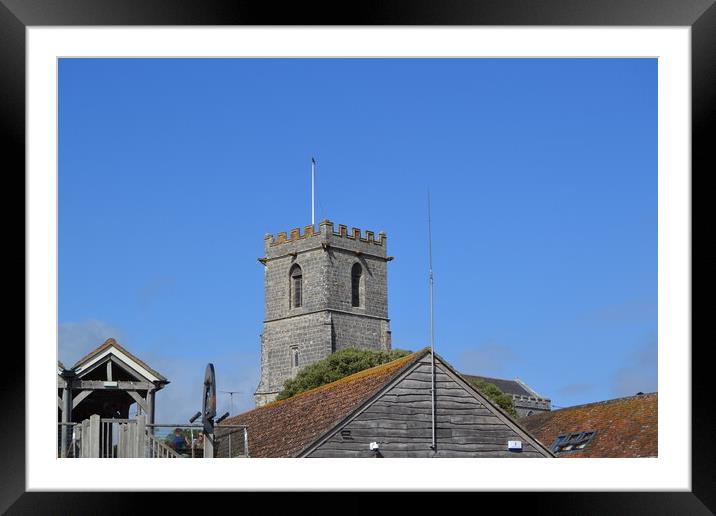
(494, 394)
(339, 365)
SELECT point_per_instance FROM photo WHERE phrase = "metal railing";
(156, 449)
(236, 445)
(223, 435)
(193, 447)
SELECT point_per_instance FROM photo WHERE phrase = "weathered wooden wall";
(400, 420)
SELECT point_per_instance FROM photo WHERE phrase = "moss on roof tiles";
(371, 371)
(626, 427)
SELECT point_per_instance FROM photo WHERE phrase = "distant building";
(526, 401)
(386, 411)
(324, 291)
(623, 427)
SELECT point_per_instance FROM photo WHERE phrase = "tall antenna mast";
(313, 191)
(432, 324)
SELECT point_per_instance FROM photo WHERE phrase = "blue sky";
(542, 172)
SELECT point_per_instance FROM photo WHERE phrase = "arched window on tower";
(296, 287)
(294, 357)
(356, 273)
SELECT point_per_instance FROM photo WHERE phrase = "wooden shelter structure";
(106, 382)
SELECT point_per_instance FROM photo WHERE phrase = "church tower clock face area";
(325, 289)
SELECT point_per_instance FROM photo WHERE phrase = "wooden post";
(121, 440)
(94, 432)
(141, 436)
(150, 403)
(66, 417)
(132, 437)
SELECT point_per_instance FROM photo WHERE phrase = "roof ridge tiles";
(603, 402)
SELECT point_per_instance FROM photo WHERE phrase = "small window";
(296, 294)
(294, 358)
(576, 441)
(356, 273)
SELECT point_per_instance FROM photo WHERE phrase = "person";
(178, 441)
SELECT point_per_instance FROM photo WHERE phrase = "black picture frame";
(700, 15)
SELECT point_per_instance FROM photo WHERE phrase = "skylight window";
(572, 442)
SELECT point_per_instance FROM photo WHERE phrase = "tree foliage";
(338, 365)
(494, 394)
(349, 361)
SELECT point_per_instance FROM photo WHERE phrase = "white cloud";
(76, 339)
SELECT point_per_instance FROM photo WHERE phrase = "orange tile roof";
(626, 427)
(111, 342)
(284, 428)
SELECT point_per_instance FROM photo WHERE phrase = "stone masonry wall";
(310, 334)
(527, 405)
(326, 321)
(352, 331)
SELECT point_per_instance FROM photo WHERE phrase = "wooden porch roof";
(111, 343)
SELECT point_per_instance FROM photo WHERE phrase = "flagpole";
(432, 325)
(313, 190)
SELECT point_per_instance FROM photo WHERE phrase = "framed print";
(386, 53)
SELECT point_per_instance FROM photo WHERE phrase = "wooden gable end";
(399, 419)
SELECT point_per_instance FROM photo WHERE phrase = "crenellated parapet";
(292, 236)
(325, 229)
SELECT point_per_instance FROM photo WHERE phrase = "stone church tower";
(324, 291)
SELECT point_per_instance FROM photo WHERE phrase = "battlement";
(325, 228)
